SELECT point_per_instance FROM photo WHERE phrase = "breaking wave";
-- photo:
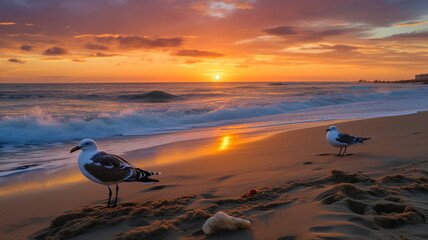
(39, 126)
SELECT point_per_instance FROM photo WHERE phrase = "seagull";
(108, 169)
(342, 140)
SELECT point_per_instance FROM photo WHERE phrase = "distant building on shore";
(421, 77)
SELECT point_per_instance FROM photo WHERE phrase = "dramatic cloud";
(137, 42)
(26, 47)
(282, 30)
(198, 54)
(93, 46)
(408, 36)
(321, 48)
(295, 34)
(55, 51)
(409, 24)
(15, 60)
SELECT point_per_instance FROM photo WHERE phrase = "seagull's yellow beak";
(74, 149)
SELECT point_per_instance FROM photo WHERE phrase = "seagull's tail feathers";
(143, 176)
(362, 139)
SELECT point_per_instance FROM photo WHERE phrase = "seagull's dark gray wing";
(346, 138)
(110, 161)
(109, 168)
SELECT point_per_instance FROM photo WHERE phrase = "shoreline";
(151, 156)
(236, 170)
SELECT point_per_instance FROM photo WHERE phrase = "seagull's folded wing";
(109, 168)
(345, 138)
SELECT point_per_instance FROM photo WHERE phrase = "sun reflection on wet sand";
(180, 152)
(40, 183)
(190, 150)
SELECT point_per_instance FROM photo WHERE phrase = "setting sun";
(217, 77)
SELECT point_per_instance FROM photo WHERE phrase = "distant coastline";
(422, 78)
(395, 81)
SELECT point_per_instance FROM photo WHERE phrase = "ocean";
(40, 122)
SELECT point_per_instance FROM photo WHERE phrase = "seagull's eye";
(87, 143)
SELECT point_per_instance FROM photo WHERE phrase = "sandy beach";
(303, 191)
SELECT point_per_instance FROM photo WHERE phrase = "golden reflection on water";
(225, 141)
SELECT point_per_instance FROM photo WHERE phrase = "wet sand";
(303, 191)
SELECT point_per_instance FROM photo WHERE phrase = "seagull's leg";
(339, 152)
(115, 200)
(109, 196)
(343, 154)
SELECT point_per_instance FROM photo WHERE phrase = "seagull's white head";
(332, 129)
(85, 145)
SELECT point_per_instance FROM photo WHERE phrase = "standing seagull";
(108, 169)
(342, 140)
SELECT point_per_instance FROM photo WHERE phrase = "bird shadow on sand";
(159, 187)
(325, 154)
(335, 155)
(103, 202)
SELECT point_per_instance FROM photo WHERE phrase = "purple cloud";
(294, 34)
(407, 36)
(93, 46)
(137, 42)
(26, 47)
(15, 60)
(281, 30)
(55, 51)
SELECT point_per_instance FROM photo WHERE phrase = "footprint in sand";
(374, 200)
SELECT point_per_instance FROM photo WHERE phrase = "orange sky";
(195, 40)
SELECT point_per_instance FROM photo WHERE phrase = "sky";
(212, 40)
